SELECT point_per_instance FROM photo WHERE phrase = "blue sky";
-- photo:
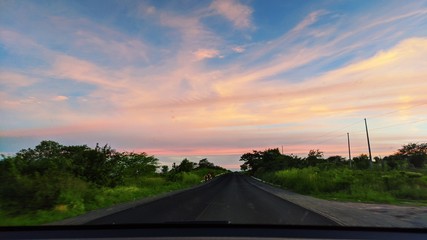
(213, 78)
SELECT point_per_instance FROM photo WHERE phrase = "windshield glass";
(221, 111)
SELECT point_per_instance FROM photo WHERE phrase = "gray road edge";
(328, 216)
(351, 213)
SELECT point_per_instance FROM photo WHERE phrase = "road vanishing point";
(230, 198)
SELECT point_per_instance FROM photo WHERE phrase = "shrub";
(353, 184)
(190, 178)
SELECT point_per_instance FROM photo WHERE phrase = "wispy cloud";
(10, 80)
(309, 20)
(238, 49)
(60, 98)
(239, 14)
(100, 83)
(206, 53)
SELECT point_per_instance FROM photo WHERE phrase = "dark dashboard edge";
(208, 230)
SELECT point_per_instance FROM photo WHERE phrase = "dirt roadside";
(353, 214)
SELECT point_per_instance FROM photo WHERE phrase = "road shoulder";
(350, 213)
(99, 213)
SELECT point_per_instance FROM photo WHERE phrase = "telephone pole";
(369, 144)
(349, 151)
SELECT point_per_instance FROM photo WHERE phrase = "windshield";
(221, 111)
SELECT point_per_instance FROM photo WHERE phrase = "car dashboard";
(207, 231)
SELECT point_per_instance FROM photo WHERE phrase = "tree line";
(412, 155)
(398, 178)
(50, 174)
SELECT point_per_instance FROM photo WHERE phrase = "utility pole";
(282, 149)
(369, 144)
(349, 151)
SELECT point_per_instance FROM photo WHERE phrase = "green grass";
(74, 203)
(79, 197)
(374, 186)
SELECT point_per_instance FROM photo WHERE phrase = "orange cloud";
(201, 54)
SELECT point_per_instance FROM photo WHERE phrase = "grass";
(77, 203)
(79, 197)
(373, 186)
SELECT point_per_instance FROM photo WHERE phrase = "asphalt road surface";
(228, 198)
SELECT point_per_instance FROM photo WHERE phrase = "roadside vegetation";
(400, 178)
(52, 182)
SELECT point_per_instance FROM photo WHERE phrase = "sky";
(215, 79)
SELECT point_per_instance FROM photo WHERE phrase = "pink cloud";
(187, 107)
(49, 132)
(68, 67)
(60, 98)
(238, 49)
(239, 14)
(16, 80)
(201, 54)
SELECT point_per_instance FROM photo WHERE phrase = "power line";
(399, 110)
(340, 129)
(375, 116)
(339, 135)
(404, 123)
(329, 133)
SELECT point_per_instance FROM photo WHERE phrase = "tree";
(337, 160)
(314, 157)
(47, 155)
(138, 164)
(269, 160)
(52, 174)
(34, 179)
(48, 149)
(165, 169)
(315, 153)
(415, 154)
(418, 160)
(362, 161)
(395, 161)
(204, 163)
(413, 148)
(99, 166)
(252, 161)
(244, 167)
(272, 160)
(185, 165)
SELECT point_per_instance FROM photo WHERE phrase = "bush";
(190, 178)
(351, 184)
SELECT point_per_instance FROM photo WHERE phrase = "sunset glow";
(215, 78)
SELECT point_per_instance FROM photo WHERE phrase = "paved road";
(230, 197)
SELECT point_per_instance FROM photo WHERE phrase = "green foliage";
(312, 180)
(185, 166)
(362, 162)
(395, 161)
(413, 148)
(353, 184)
(314, 157)
(202, 169)
(418, 160)
(52, 181)
(398, 177)
(410, 155)
(165, 169)
(190, 178)
(204, 163)
(259, 162)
